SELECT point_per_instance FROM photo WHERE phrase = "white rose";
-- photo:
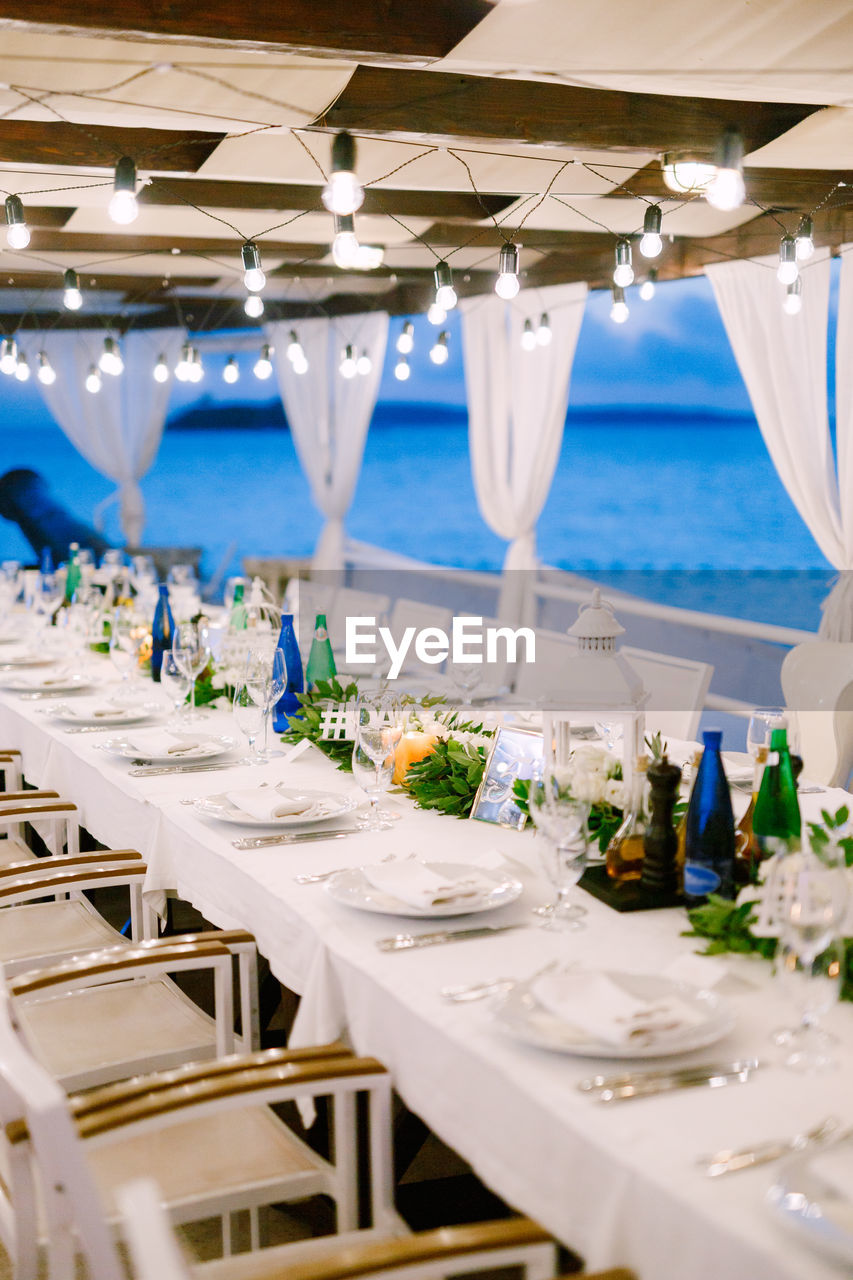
(614, 793)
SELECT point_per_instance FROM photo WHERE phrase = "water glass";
(562, 823)
(175, 684)
(267, 665)
(378, 730)
(125, 636)
(191, 649)
(761, 724)
(248, 709)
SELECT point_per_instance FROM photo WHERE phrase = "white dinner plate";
(353, 889)
(26, 660)
(104, 715)
(522, 1016)
(210, 749)
(44, 684)
(325, 805)
(811, 1204)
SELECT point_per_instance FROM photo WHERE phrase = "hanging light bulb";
(683, 173)
(253, 277)
(123, 207)
(406, 338)
(727, 191)
(506, 285)
(623, 272)
(787, 271)
(72, 298)
(793, 300)
(445, 294)
(300, 365)
(619, 310)
(8, 356)
(647, 288)
(345, 244)
(439, 352)
(196, 366)
(401, 369)
(46, 372)
(342, 193)
(349, 365)
(528, 336)
(369, 257)
(365, 364)
(17, 231)
(182, 368)
(651, 243)
(805, 240)
(231, 372)
(254, 305)
(436, 314)
(93, 380)
(294, 350)
(22, 369)
(161, 369)
(543, 332)
(263, 364)
(110, 360)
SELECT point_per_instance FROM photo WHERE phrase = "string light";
(543, 332)
(805, 240)
(793, 301)
(369, 257)
(231, 372)
(294, 351)
(196, 369)
(123, 207)
(402, 370)
(623, 272)
(727, 191)
(787, 271)
(46, 372)
(528, 336)
(436, 314)
(22, 369)
(343, 193)
(161, 369)
(300, 366)
(110, 360)
(439, 352)
(445, 294)
(506, 285)
(349, 365)
(263, 364)
(8, 356)
(182, 368)
(365, 364)
(684, 174)
(93, 380)
(619, 310)
(254, 306)
(253, 277)
(345, 244)
(72, 298)
(17, 231)
(647, 288)
(651, 243)
(406, 338)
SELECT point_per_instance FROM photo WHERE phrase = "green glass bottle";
(73, 575)
(321, 661)
(776, 821)
(239, 619)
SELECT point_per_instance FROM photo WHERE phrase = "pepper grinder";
(659, 877)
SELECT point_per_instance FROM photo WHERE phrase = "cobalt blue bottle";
(288, 703)
(709, 846)
(162, 632)
(46, 564)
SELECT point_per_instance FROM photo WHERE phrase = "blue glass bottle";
(288, 703)
(709, 846)
(46, 564)
(162, 632)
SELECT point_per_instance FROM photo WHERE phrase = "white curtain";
(118, 430)
(329, 414)
(517, 404)
(783, 360)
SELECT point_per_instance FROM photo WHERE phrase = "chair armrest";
(45, 866)
(7, 796)
(13, 815)
(9, 751)
(58, 878)
(158, 955)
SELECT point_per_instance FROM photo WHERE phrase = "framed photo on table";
(515, 753)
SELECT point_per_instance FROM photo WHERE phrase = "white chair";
(677, 688)
(817, 681)
(414, 613)
(11, 768)
(352, 603)
(543, 678)
(57, 824)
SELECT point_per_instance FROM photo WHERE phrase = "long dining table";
(619, 1183)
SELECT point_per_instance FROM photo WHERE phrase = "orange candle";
(411, 748)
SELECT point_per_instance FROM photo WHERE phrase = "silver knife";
(406, 941)
(647, 1085)
(93, 728)
(593, 1084)
(766, 1152)
(157, 771)
(293, 837)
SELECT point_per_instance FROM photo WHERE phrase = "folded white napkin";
(419, 886)
(158, 742)
(594, 1003)
(265, 803)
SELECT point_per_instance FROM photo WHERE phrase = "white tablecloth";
(619, 1184)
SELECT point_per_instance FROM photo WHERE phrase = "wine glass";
(378, 730)
(761, 724)
(191, 649)
(248, 709)
(47, 598)
(267, 665)
(175, 684)
(562, 822)
(125, 636)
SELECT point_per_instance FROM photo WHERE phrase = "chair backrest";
(677, 688)
(817, 681)
(349, 602)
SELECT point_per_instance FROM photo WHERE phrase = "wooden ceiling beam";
(394, 30)
(128, 243)
(100, 282)
(26, 142)
(794, 189)
(43, 216)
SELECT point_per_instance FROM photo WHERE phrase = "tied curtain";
(517, 403)
(329, 414)
(118, 430)
(783, 360)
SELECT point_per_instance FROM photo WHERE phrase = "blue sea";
(683, 508)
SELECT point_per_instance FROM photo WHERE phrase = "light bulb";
(727, 191)
(543, 333)
(647, 290)
(294, 347)
(684, 175)
(445, 294)
(110, 359)
(93, 380)
(623, 272)
(436, 314)
(22, 371)
(300, 365)
(793, 301)
(528, 337)
(231, 372)
(439, 353)
(8, 356)
(805, 240)
(349, 364)
(182, 368)
(17, 231)
(161, 370)
(46, 372)
(619, 310)
(123, 207)
(787, 271)
(506, 285)
(369, 257)
(254, 306)
(651, 243)
(196, 368)
(345, 244)
(72, 298)
(253, 277)
(263, 365)
(401, 369)
(406, 338)
(343, 193)
(365, 364)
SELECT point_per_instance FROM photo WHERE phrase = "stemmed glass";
(248, 708)
(562, 821)
(125, 635)
(48, 596)
(175, 684)
(191, 650)
(267, 667)
(378, 730)
(761, 724)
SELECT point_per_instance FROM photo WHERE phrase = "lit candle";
(412, 747)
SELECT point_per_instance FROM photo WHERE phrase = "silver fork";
(327, 875)
(479, 990)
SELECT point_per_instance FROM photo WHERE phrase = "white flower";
(614, 793)
(587, 787)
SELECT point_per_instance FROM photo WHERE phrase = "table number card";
(515, 753)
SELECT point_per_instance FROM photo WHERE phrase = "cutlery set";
(408, 941)
(765, 1152)
(646, 1084)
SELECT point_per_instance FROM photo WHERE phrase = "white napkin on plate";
(265, 803)
(158, 742)
(596, 1004)
(419, 886)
